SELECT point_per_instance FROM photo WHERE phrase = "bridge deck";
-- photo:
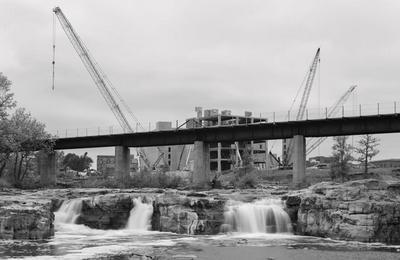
(259, 131)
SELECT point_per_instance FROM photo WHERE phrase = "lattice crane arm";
(308, 86)
(100, 79)
(304, 100)
(93, 69)
(314, 143)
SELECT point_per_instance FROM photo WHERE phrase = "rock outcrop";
(365, 210)
(24, 217)
(188, 213)
(173, 211)
(110, 211)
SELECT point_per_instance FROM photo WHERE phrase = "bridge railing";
(256, 118)
(339, 112)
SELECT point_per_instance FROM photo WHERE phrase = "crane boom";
(303, 105)
(315, 142)
(100, 79)
(93, 69)
(308, 86)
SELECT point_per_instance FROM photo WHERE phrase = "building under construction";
(223, 156)
(226, 156)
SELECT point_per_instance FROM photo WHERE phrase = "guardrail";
(260, 118)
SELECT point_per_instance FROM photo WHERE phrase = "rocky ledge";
(365, 211)
(193, 213)
(173, 211)
(24, 217)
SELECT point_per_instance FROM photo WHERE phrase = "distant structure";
(321, 159)
(226, 156)
(106, 164)
(175, 156)
(388, 163)
(223, 156)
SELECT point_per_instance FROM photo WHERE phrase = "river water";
(247, 238)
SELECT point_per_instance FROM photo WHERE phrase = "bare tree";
(6, 97)
(367, 150)
(341, 152)
(6, 103)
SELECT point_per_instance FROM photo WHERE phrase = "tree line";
(21, 136)
(343, 153)
(75, 162)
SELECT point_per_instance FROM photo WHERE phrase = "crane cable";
(319, 98)
(302, 85)
(54, 51)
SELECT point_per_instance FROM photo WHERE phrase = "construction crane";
(313, 143)
(287, 143)
(275, 159)
(308, 86)
(102, 82)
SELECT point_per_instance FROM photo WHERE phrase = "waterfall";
(261, 216)
(69, 211)
(140, 215)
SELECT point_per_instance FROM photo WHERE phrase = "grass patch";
(138, 180)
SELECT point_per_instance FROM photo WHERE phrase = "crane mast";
(315, 142)
(100, 79)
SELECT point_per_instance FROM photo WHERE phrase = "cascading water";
(69, 211)
(262, 216)
(140, 215)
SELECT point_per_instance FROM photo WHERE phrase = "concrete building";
(106, 164)
(222, 156)
(226, 156)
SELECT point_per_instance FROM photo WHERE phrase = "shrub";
(4, 183)
(248, 181)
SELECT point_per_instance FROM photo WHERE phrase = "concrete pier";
(47, 168)
(219, 157)
(299, 159)
(201, 170)
(267, 160)
(122, 157)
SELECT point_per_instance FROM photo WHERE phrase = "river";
(246, 239)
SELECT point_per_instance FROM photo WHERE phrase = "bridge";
(202, 136)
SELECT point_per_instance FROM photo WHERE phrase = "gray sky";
(166, 57)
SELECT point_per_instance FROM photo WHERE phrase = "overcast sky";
(166, 57)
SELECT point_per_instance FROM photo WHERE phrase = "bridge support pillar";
(47, 168)
(219, 156)
(122, 162)
(299, 159)
(201, 169)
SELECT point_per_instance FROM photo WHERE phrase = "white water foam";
(69, 212)
(261, 216)
(140, 215)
